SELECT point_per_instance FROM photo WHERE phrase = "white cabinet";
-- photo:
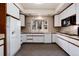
(74, 50)
(22, 18)
(57, 21)
(77, 13)
(23, 38)
(69, 11)
(2, 50)
(12, 10)
(70, 48)
(29, 38)
(38, 38)
(47, 38)
(63, 44)
(54, 38)
(32, 38)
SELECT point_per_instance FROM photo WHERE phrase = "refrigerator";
(13, 31)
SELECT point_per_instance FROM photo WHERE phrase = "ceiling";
(44, 9)
(40, 5)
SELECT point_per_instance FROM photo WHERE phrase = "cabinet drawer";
(2, 50)
(12, 10)
(1, 42)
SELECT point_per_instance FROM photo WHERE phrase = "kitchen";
(27, 29)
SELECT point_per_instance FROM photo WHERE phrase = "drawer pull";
(29, 39)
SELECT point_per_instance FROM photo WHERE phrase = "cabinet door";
(23, 38)
(2, 50)
(69, 11)
(22, 18)
(39, 39)
(12, 10)
(54, 37)
(57, 21)
(74, 50)
(47, 38)
(64, 44)
(77, 13)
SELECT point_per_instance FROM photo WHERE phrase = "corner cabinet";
(22, 18)
(57, 21)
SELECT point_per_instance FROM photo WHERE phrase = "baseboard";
(38, 43)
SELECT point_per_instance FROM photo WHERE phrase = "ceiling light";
(37, 3)
(39, 17)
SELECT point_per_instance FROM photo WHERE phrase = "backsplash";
(70, 29)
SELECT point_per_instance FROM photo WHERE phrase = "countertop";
(70, 36)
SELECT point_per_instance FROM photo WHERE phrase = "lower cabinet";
(63, 44)
(54, 38)
(23, 38)
(71, 49)
(2, 50)
(47, 38)
(38, 39)
(74, 50)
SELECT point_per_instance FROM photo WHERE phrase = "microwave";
(69, 21)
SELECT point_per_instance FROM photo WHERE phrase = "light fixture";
(38, 3)
(39, 17)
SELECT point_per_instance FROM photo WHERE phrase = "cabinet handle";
(30, 39)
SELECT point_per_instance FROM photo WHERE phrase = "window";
(39, 25)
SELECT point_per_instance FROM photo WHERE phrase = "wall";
(70, 29)
(30, 18)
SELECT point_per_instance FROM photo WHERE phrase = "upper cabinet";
(22, 18)
(12, 10)
(71, 10)
(77, 13)
(57, 21)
